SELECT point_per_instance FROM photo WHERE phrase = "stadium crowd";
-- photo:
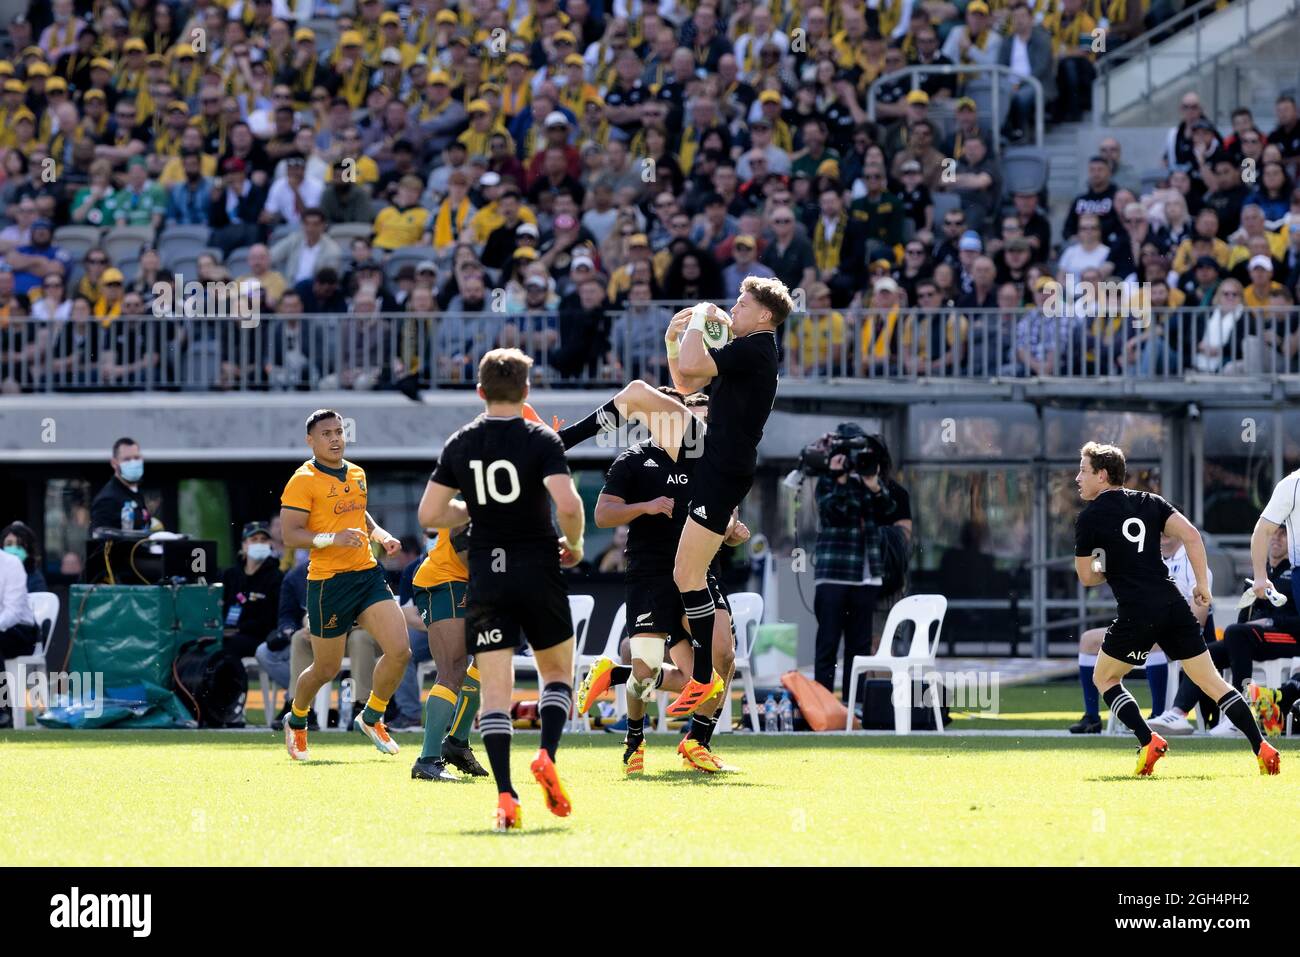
(444, 177)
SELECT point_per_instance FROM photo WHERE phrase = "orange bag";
(821, 710)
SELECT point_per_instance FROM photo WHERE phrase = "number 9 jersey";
(1121, 529)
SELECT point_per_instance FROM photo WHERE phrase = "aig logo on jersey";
(492, 637)
(677, 479)
(1138, 655)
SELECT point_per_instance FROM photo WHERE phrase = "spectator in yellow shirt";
(406, 223)
(817, 341)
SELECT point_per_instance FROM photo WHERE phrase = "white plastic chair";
(322, 702)
(746, 613)
(580, 609)
(923, 611)
(45, 609)
(268, 692)
(612, 643)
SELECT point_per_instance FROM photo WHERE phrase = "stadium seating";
(127, 242)
(45, 609)
(580, 609)
(77, 240)
(926, 613)
(344, 233)
(407, 255)
(268, 689)
(1024, 170)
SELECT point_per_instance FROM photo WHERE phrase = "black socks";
(553, 708)
(1125, 707)
(699, 616)
(604, 419)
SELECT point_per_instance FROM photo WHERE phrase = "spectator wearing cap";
(878, 336)
(251, 592)
(441, 117)
(916, 201)
(745, 262)
(1258, 293)
(967, 128)
(1179, 147)
(452, 217)
(343, 200)
(301, 255)
(1097, 200)
(1027, 51)
(504, 207)
(37, 259)
(111, 290)
(557, 128)
(235, 207)
(289, 197)
(979, 183)
(974, 41)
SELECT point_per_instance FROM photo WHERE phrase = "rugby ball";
(716, 333)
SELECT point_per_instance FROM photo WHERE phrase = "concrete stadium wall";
(269, 427)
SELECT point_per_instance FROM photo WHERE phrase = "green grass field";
(165, 797)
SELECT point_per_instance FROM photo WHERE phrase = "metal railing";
(407, 351)
(1188, 64)
(996, 71)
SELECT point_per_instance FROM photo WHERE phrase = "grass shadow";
(523, 832)
(1129, 778)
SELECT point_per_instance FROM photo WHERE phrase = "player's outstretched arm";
(1259, 540)
(1177, 526)
(437, 510)
(569, 512)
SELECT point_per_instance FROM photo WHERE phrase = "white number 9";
(1138, 535)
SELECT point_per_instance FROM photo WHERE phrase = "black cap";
(255, 528)
(1209, 261)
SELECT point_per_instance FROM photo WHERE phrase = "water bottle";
(128, 515)
(786, 710)
(769, 714)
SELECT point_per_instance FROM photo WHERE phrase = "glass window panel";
(980, 431)
(1238, 477)
(67, 525)
(1139, 434)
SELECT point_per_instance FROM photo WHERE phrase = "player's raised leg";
(1108, 676)
(1233, 706)
(385, 622)
(327, 659)
(695, 551)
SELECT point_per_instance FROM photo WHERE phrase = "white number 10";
(485, 486)
(1139, 536)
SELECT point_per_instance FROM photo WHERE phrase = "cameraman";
(855, 502)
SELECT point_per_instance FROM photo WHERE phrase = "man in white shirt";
(18, 633)
(290, 196)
